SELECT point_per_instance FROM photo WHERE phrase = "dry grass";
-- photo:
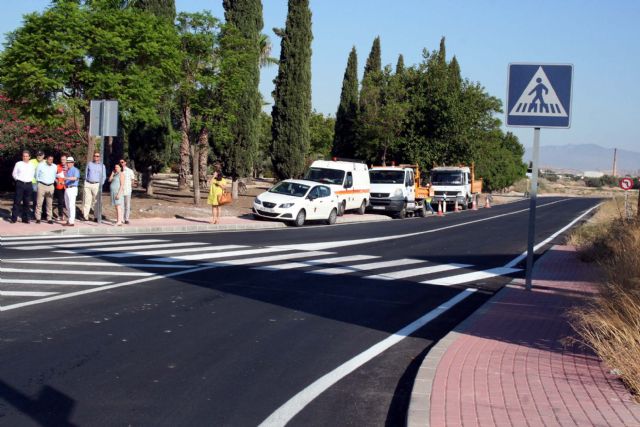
(611, 323)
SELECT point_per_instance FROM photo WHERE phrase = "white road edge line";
(286, 412)
(523, 255)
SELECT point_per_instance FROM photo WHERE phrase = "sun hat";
(70, 159)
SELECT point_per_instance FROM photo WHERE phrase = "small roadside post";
(626, 184)
(538, 96)
(103, 121)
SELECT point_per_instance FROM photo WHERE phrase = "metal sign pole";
(101, 127)
(532, 207)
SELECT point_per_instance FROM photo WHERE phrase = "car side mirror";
(311, 197)
(349, 182)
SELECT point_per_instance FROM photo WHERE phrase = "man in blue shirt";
(45, 177)
(71, 180)
(94, 177)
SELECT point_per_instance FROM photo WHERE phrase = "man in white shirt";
(23, 174)
(129, 178)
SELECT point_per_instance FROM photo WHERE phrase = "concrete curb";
(419, 411)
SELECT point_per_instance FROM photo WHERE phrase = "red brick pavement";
(513, 366)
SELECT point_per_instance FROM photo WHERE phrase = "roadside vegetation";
(610, 324)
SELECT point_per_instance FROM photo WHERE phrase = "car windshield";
(446, 178)
(325, 176)
(386, 177)
(290, 189)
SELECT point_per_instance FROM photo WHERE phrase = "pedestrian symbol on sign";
(539, 99)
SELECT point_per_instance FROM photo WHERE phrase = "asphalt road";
(239, 328)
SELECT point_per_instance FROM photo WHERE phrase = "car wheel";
(403, 213)
(332, 217)
(257, 217)
(342, 208)
(363, 207)
(299, 221)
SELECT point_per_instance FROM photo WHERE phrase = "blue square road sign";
(539, 95)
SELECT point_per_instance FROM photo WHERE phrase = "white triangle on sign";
(538, 99)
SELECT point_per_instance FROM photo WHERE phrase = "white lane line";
(215, 255)
(125, 248)
(468, 277)
(342, 243)
(89, 244)
(523, 255)
(63, 243)
(313, 262)
(364, 267)
(75, 272)
(51, 282)
(101, 264)
(297, 403)
(25, 294)
(271, 258)
(413, 272)
(177, 251)
(100, 289)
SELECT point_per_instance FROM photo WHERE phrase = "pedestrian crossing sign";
(539, 95)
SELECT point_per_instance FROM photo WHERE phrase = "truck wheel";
(465, 205)
(422, 211)
(342, 207)
(299, 221)
(332, 217)
(403, 213)
(362, 208)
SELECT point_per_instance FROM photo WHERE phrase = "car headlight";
(397, 193)
(257, 201)
(286, 205)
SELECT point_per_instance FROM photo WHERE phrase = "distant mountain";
(585, 157)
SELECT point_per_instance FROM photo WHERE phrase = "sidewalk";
(159, 225)
(509, 364)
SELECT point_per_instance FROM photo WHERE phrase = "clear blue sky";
(600, 38)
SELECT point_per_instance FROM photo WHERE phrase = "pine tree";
(292, 95)
(239, 95)
(161, 8)
(347, 114)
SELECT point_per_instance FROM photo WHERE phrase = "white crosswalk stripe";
(364, 267)
(473, 276)
(104, 264)
(26, 294)
(50, 242)
(216, 255)
(76, 272)
(126, 248)
(303, 264)
(271, 258)
(176, 251)
(51, 282)
(91, 244)
(422, 271)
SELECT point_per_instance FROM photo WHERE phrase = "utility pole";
(615, 159)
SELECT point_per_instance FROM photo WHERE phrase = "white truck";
(396, 190)
(455, 184)
(348, 179)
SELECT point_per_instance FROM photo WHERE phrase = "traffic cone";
(487, 203)
(440, 209)
(457, 207)
(474, 203)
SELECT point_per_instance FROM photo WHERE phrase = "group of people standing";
(40, 181)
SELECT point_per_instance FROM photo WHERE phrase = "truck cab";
(453, 185)
(393, 191)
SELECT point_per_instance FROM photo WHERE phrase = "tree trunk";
(203, 146)
(148, 179)
(196, 184)
(185, 125)
(234, 188)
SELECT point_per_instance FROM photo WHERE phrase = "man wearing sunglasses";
(94, 177)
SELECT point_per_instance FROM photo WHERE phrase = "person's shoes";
(12, 221)
(37, 221)
(25, 221)
(66, 224)
(50, 221)
(126, 222)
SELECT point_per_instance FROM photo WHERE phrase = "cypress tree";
(400, 65)
(374, 61)
(455, 78)
(239, 95)
(161, 8)
(345, 129)
(292, 95)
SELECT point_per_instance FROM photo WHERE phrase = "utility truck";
(348, 179)
(455, 185)
(396, 190)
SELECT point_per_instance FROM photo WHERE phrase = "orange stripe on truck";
(342, 192)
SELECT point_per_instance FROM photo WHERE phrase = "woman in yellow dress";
(216, 187)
